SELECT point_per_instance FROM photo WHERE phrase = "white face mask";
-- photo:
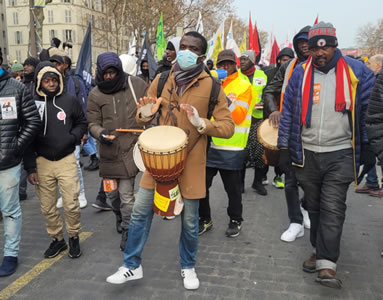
(187, 59)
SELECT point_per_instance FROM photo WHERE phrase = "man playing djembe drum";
(188, 88)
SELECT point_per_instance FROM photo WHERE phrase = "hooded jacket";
(272, 92)
(165, 65)
(112, 111)
(374, 119)
(16, 132)
(270, 72)
(63, 122)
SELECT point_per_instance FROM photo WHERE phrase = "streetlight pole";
(32, 29)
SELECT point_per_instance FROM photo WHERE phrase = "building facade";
(66, 20)
(3, 32)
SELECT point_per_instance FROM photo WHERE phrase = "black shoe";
(233, 229)
(124, 238)
(23, 196)
(83, 153)
(74, 247)
(118, 223)
(101, 205)
(259, 188)
(94, 163)
(204, 226)
(55, 248)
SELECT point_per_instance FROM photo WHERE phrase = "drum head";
(161, 139)
(138, 158)
(268, 135)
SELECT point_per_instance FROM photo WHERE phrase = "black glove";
(367, 156)
(284, 160)
(104, 139)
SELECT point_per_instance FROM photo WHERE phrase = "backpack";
(213, 100)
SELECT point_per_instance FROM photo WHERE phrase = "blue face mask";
(186, 59)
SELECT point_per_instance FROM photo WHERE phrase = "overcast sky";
(288, 17)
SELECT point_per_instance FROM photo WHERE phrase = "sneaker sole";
(309, 270)
(75, 256)
(290, 241)
(101, 207)
(58, 252)
(331, 283)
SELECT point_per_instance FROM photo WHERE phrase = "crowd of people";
(327, 109)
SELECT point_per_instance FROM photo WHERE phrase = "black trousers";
(232, 184)
(292, 195)
(325, 179)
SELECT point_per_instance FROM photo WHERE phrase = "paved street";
(255, 265)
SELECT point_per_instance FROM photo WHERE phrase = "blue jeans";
(90, 146)
(141, 221)
(10, 207)
(79, 172)
(372, 178)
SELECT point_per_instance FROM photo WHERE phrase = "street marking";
(23, 280)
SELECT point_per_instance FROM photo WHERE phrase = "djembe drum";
(164, 150)
(268, 137)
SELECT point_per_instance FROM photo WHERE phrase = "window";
(18, 37)
(12, 2)
(52, 34)
(68, 16)
(18, 55)
(2, 17)
(5, 51)
(90, 4)
(66, 1)
(50, 16)
(4, 34)
(69, 36)
(15, 18)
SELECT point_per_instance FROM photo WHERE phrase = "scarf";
(110, 86)
(30, 77)
(343, 86)
(183, 78)
(250, 71)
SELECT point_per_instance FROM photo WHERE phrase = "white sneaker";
(191, 282)
(82, 200)
(306, 218)
(125, 274)
(59, 203)
(294, 231)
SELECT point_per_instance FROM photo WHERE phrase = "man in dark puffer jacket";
(19, 123)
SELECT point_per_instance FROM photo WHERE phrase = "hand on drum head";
(148, 106)
(275, 118)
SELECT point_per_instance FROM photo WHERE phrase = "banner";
(146, 54)
(84, 60)
(160, 39)
(243, 46)
(216, 42)
(232, 44)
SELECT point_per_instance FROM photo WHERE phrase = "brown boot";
(309, 265)
(327, 278)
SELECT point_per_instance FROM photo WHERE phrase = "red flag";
(251, 37)
(316, 20)
(256, 44)
(274, 53)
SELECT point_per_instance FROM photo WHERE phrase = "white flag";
(231, 43)
(199, 27)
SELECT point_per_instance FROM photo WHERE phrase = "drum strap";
(132, 89)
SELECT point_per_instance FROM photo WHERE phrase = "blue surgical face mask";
(187, 59)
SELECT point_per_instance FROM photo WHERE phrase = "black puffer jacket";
(374, 119)
(272, 92)
(16, 134)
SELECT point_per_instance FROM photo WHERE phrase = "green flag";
(160, 39)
